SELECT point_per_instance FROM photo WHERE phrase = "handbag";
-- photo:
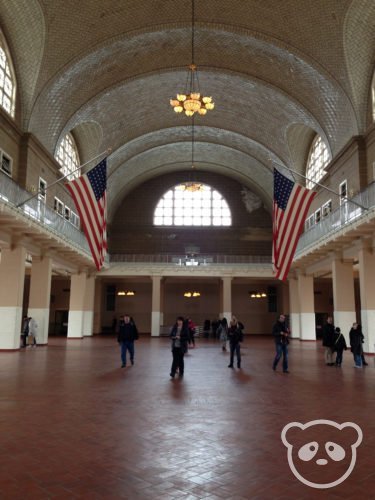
(30, 339)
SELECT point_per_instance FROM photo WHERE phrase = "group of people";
(182, 336)
(29, 332)
(183, 330)
(334, 341)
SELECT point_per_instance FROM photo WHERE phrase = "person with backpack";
(339, 346)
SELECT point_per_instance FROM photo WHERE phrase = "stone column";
(343, 296)
(294, 309)
(12, 280)
(367, 290)
(307, 312)
(88, 307)
(226, 306)
(40, 296)
(155, 308)
(76, 305)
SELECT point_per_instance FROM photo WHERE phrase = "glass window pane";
(191, 204)
(319, 158)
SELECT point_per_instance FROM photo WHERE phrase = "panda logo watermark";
(322, 453)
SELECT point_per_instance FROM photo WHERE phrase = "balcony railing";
(344, 215)
(36, 210)
(183, 260)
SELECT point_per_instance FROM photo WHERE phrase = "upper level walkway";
(37, 225)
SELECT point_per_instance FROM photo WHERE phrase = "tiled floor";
(73, 424)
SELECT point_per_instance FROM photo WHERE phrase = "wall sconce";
(126, 293)
(257, 295)
(192, 294)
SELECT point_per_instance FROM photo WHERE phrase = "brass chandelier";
(192, 101)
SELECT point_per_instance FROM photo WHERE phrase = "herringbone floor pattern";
(75, 425)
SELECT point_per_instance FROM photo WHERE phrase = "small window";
(327, 208)
(58, 206)
(74, 219)
(67, 213)
(6, 163)
(318, 215)
(42, 189)
(343, 191)
(310, 221)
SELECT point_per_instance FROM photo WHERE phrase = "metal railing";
(12, 194)
(183, 260)
(344, 215)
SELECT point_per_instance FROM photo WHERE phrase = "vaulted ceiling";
(279, 72)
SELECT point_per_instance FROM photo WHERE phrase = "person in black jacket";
(356, 340)
(339, 346)
(235, 336)
(179, 336)
(128, 333)
(328, 341)
(280, 333)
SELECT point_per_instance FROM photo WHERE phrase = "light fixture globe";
(192, 104)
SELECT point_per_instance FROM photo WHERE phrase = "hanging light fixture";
(192, 185)
(126, 293)
(191, 295)
(191, 101)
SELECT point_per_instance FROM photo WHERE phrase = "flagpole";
(321, 185)
(107, 151)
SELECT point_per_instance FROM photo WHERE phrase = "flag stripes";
(290, 207)
(89, 195)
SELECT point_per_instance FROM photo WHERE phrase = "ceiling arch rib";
(202, 134)
(210, 157)
(116, 63)
(88, 137)
(300, 138)
(262, 113)
(359, 42)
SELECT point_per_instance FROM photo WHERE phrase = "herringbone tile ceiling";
(279, 72)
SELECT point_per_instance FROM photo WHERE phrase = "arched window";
(7, 80)
(319, 158)
(67, 156)
(192, 204)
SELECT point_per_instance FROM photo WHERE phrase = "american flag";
(291, 203)
(89, 195)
